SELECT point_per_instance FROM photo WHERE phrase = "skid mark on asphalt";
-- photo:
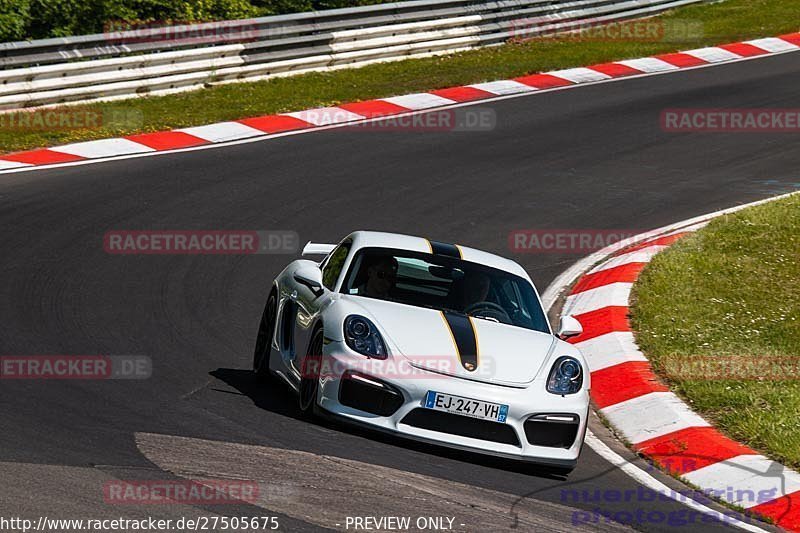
(324, 490)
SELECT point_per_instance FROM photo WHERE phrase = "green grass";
(717, 23)
(730, 295)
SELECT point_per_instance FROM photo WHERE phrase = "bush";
(14, 15)
(333, 4)
(279, 7)
(37, 19)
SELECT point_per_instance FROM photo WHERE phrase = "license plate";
(466, 406)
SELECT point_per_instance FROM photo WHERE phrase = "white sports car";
(435, 342)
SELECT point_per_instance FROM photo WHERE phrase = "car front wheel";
(309, 378)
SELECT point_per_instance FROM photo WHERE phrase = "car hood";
(506, 355)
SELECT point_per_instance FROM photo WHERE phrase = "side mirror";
(311, 277)
(569, 327)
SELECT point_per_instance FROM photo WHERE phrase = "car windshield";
(447, 284)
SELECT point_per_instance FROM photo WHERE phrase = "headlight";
(362, 336)
(566, 376)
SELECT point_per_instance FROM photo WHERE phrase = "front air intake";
(553, 430)
(368, 394)
(462, 426)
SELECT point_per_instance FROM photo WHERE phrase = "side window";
(334, 264)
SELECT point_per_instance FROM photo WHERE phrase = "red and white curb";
(657, 423)
(270, 125)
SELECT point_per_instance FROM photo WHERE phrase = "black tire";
(266, 330)
(309, 375)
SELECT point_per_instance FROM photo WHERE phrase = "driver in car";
(381, 277)
(476, 288)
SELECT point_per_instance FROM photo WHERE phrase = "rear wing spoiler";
(312, 248)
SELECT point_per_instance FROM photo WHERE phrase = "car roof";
(363, 239)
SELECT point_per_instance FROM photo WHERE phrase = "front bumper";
(399, 408)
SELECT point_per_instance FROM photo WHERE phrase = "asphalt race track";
(592, 157)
